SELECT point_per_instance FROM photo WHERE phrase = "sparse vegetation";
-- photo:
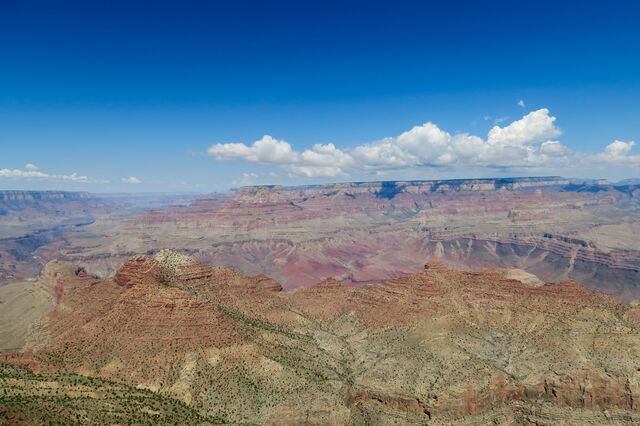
(68, 399)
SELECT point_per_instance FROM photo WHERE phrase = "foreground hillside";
(435, 347)
(64, 399)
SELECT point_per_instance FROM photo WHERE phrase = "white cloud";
(32, 173)
(537, 126)
(619, 148)
(619, 152)
(266, 150)
(527, 143)
(74, 177)
(384, 153)
(31, 166)
(132, 180)
(521, 103)
(317, 171)
(26, 174)
(553, 148)
(320, 160)
(325, 155)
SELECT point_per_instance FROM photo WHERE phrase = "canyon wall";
(366, 232)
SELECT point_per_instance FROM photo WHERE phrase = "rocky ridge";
(438, 346)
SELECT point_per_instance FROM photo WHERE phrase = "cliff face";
(389, 189)
(440, 346)
(616, 272)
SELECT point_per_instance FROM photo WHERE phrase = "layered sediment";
(368, 232)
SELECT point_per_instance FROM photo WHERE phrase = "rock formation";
(439, 346)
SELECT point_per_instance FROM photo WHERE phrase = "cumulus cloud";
(530, 142)
(618, 149)
(266, 150)
(521, 103)
(25, 174)
(618, 152)
(31, 172)
(132, 180)
(31, 166)
(320, 160)
(537, 126)
(553, 148)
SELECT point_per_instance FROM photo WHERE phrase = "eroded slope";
(438, 346)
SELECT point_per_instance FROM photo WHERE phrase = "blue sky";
(134, 96)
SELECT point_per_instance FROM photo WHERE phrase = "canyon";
(471, 301)
(363, 233)
(34, 222)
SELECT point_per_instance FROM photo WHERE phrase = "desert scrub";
(104, 402)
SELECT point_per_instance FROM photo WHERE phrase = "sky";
(205, 96)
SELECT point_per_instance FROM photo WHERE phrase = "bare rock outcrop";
(138, 270)
(267, 283)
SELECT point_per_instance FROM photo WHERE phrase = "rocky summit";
(205, 345)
